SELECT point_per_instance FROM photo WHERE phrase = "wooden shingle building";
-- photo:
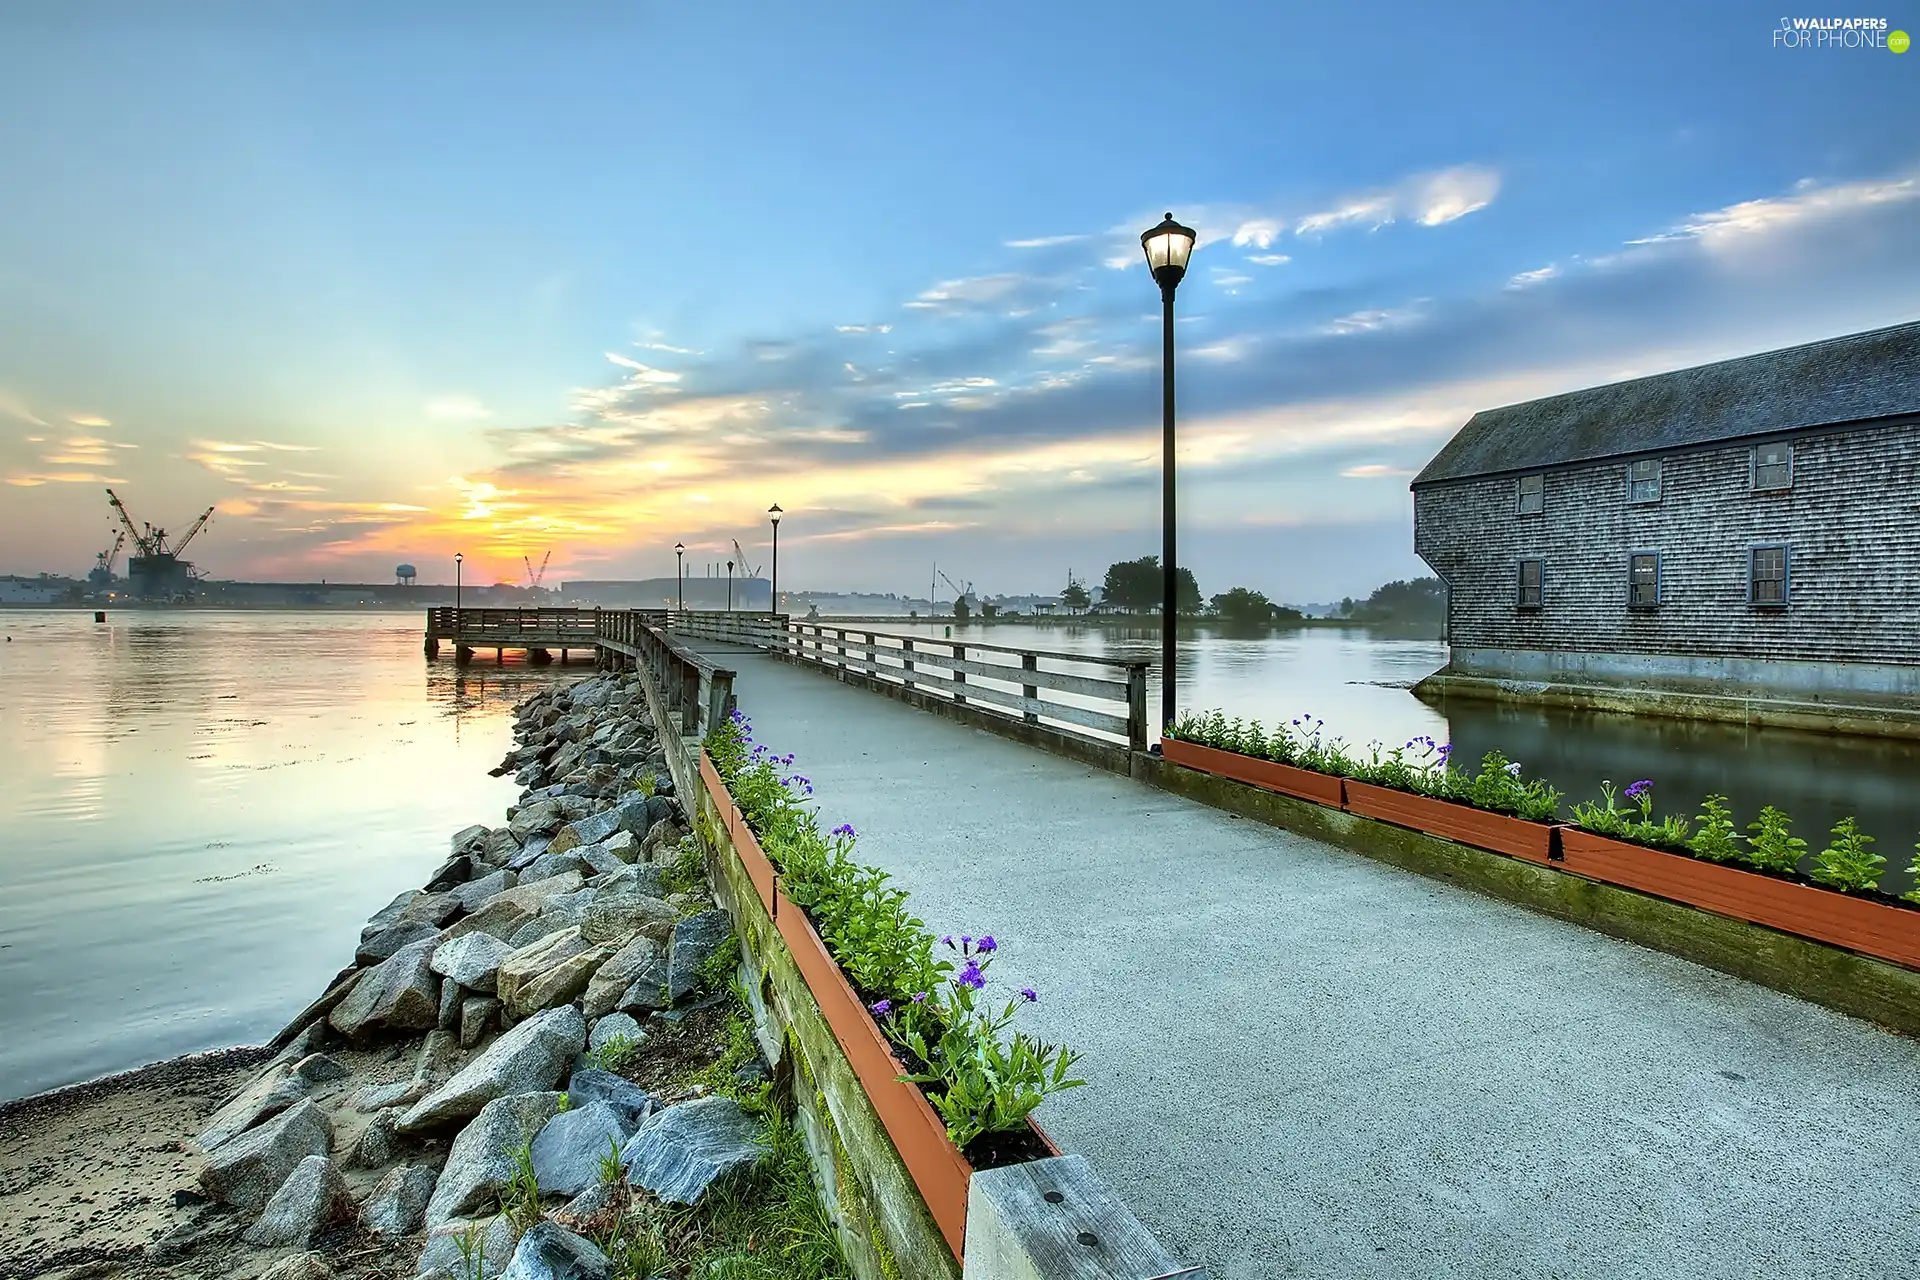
(1740, 539)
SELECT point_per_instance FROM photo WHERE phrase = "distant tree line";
(1135, 586)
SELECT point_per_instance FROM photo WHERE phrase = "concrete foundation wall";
(1774, 677)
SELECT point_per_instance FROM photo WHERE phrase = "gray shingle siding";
(1851, 521)
(1859, 378)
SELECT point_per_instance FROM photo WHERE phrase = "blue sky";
(599, 278)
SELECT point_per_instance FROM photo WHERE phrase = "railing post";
(1028, 662)
(959, 676)
(719, 699)
(842, 633)
(906, 661)
(1137, 706)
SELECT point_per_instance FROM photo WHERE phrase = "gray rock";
(614, 1026)
(623, 845)
(477, 1016)
(269, 1094)
(305, 1202)
(437, 909)
(645, 881)
(618, 912)
(542, 817)
(401, 993)
(593, 829)
(695, 939)
(474, 892)
(660, 808)
(551, 1252)
(449, 1006)
(492, 1241)
(455, 871)
(551, 864)
(438, 1052)
(557, 985)
(398, 1203)
(531, 849)
(247, 1169)
(318, 1068)
(595, 1200)
(388, 914)
(640, 957)
(471, 960)
(482, 1159)
(529, 962)
(525, 1060)
(379, 946)
(468, 838)
(534, 894)
(299, 1266)
(567, 1152)
(498, 918)
(648, 992)
(375, 1146)
(500, 846)
(377, 1097)
(629, 1101)
(679, 1152)
(600, 859)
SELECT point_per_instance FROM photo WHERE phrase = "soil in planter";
(1010, 1146)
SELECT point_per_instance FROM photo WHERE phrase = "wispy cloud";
(1729, 227)
(1538, 275)
(87, 420)
(1269, 259)
(1429, 199)
(1044, 242)
(457, 408)
(1375, 471)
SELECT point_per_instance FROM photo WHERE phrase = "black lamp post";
(457, 558)
(773, 604)
(680, 574)
(1168, 247)
(729, 586)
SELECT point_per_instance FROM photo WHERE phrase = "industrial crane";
(102, 573)
(740, 559)
(156, 569)
(536, 576)
(958, 590)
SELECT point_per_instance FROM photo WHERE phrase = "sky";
(383, 283)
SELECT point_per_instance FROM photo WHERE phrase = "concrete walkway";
(1306, 1063)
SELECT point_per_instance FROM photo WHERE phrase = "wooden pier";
(538, 632)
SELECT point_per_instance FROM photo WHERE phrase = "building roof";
(1855, 378)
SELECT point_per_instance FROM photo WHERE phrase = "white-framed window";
(1530, 495)
(1528, 594)
(1643, 580)
(1767, 577)
(1772, 467)
(1643, 480)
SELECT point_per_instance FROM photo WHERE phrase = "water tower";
(404, 574)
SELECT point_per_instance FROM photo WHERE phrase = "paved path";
(1307, 1063)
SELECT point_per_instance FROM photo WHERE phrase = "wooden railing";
(512, 628)
(734, 626)
(1107, 696)
(690, 683)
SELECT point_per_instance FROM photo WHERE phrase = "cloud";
(968, 294)
(1538, 275)
(1375, 471)
(457, 409)
(673, 350)
(1269, 259)
(1259, 232)
(643, 375)
(84, 420)
(13, 406)
(1043, 242)
(1729, 228)
(863, 328)
(1429, 199)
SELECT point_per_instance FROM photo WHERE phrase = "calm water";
(201, 809)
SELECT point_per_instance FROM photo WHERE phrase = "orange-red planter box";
(1499, 832)
(1304, 784)
(1859, 924)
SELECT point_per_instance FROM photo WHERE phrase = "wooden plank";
(978, 693)
(1088, 659)
(1056, 1219)
(1059, 681)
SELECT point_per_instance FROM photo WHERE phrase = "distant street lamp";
(773, 605)
(457, 558)
(729, 586)
(1168, 246)
(680, 573)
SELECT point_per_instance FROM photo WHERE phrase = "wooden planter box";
(1499, 832)
(939, 1170)
(1304, 784)
(1859, 924)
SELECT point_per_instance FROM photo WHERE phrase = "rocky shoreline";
(467, 1096)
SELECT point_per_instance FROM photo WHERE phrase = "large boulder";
(620, 910)
(529, 962)
(473, 960)
(384, 942)
(640, 958)
(533, 893)
(695, 940)
(499, 846)
(272, 1092)
(401, 993)
(629, 1101)
(247, 1169)
(482, 1158)
(467, 839)
(491, 1241)
(498, 918)
(623, 845)
(389, 913)
(551, 1252)
(541, 817)
(646, 881)
(568, 1152)
(305, 1202)
(614, 1027)
(398, 1203)
(474, 892)
(599, 860)
(528, 1059)
(560, 984)
(550, 864)
(679, 1152)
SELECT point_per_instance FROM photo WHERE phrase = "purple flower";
(881, 1006)
(1029, 994)
(919, 997)
(986, 944)
(1639, 788)
(947, 941)
(844, 829)
(972, 977)
(965, 941)
(1513, 770)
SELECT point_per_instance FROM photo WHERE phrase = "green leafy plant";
(473, 1262)
(617, 1054)
(520, 1198)
(1716, 840)
(646, 784)
(717, 970)
(1611, 819)
(1848, 864)
(612, 1169)
(978, 1080)
(1772, 847)
(1499, 788)
(1913, 895)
